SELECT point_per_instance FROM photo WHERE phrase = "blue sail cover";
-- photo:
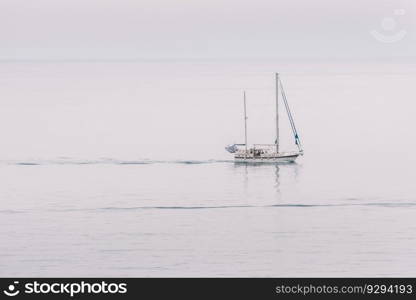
(231, 148)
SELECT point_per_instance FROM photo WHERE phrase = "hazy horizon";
(206, 30)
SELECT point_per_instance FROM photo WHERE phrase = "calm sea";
(119, 169)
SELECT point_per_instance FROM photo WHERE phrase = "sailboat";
(267, 153)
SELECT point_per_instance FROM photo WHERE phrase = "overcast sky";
(206, 29)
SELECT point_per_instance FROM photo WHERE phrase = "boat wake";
(215, 207)
(107, 161)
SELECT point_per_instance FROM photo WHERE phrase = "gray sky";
(206, 29)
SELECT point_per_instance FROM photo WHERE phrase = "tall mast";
(245, 124)
(277, 112)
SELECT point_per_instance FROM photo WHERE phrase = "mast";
(245, 124)
(277, 112)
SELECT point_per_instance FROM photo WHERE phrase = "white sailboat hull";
(273, 158)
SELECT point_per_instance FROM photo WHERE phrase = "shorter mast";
(277, 112)
(245, 124)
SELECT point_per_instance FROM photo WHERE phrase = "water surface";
(119, 169)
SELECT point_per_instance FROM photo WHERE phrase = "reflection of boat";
(267, 153)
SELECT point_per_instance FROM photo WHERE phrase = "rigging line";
(288, 110)
(292, 122)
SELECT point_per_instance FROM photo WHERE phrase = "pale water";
(119, 169)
